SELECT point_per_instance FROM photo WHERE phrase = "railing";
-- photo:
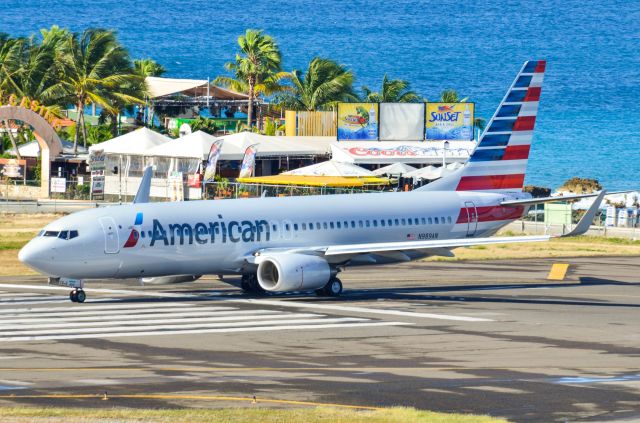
(223, 190)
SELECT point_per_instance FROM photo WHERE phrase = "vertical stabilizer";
(500, 160)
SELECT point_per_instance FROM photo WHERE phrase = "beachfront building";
(174, 101)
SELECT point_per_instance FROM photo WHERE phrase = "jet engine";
(168, 280)
(292, 272)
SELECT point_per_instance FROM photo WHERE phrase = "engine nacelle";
(292, 272)
(168, 280)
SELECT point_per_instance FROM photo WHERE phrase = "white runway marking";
(298, 304)
(86, 321)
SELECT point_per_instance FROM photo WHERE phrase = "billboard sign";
(358, 121)
(97, 160)
(449, 121)
(58, 184)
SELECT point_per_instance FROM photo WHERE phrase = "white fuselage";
(217, 237)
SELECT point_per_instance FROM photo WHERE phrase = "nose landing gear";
(77, 295)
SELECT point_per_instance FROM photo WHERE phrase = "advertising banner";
(97, 185)
(212, 161)
(176, 186)
(97, 160)
(401, 121)
(249, 162)
(449, 121)
(358, 121)
(58, 184)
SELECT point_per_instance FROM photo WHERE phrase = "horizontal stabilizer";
(542, 200)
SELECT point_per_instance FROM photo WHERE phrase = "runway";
(480, 337)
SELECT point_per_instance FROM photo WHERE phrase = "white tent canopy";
(32, 149)
(159, 87)
(395, 169)
(432, 172)
(195, 145)
(331, 168)
(136, 142)
(234, 145)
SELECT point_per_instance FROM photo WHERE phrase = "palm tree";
(451, 96)
(323, 85)
(255, 68)
(10, 64)
(148, 67)
(393, 91)
(97, 69)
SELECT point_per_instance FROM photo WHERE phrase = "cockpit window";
(63, 234)
(41, 233)
(51, 233)
(73, 234)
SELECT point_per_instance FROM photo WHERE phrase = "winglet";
(585, 223)
(142, 196)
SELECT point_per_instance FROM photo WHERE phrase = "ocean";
(589, 117)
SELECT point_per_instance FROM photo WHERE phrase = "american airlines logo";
(210, 232)
(134, 236)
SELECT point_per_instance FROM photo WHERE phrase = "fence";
(311, 123)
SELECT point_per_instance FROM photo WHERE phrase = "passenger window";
(318, 226)
(304, 226)
(389, 222)
(353, 223)
(310, 225)
(404, 222)
(448, 219)
(338, 225)
(63, 235)
(435, 220)
(275, 228)
(416, 221)
(375, 223)
(397, 222)
(410, 221)
(331, 225)
(442, 219)
(360, 224)
(430, 221)
(286, 226)
(368, 223)
(424, 221)
(381, 222)
(324, 225)
(346, 224)
(295, 226)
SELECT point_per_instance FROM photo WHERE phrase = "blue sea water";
(589, 118)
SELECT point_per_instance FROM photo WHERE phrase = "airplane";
(289, 244)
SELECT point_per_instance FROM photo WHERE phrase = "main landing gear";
(333, 288)
(249, 284)
(77, 295)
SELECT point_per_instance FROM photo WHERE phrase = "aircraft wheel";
(250, 284)
(73, 296)
(81, 296)
(333, 288)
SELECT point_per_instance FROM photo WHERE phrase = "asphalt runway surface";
(490, 337)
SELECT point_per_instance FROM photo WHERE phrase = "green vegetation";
(256, 67)
(324, 84)
(265, 415)
(392, 91)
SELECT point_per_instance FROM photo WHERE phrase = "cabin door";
(111, 239)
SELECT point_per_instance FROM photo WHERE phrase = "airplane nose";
(35, 256)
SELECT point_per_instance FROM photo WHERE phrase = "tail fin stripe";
(533, 94)
(490, 182)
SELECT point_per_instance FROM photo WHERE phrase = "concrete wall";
(19, 192)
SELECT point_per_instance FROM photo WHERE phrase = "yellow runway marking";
(189, 397)
(558, 272)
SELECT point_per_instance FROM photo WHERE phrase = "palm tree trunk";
(77, 132)
(84, 131)
(250, 106)
(11, 138)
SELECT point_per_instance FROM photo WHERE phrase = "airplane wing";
(436, 245)
(142, 196)
(541, 200)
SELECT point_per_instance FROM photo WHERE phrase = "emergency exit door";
(472, 218)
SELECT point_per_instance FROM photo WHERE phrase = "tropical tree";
(97, 69)
(392, 91)
(256, 67)
(10, 60)
(204, 125)
(451, 96)
(148, 67)
(324, 84)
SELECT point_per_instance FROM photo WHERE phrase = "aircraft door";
(111, 238)
(472, 218)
